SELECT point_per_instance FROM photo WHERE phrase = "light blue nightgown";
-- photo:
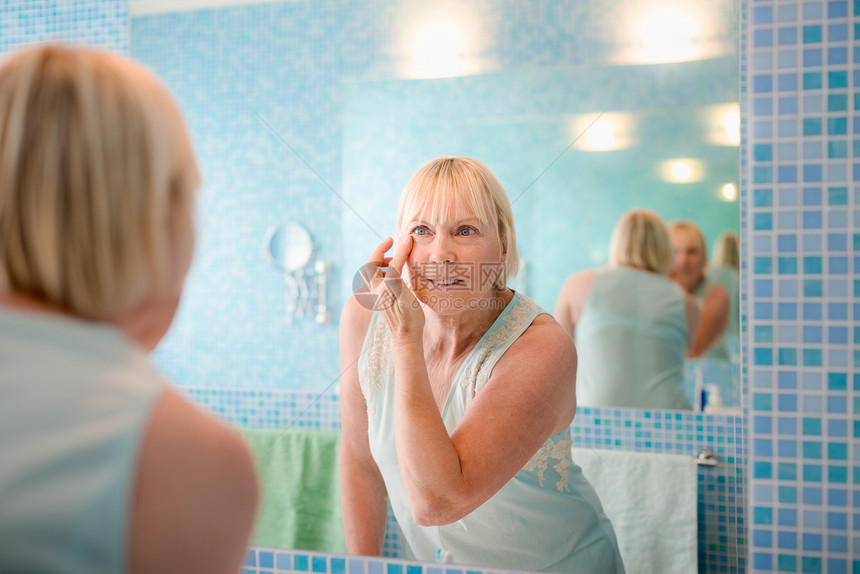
(631, 338)
(76, 399)
(547, 517)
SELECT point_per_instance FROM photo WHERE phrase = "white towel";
(651, 501)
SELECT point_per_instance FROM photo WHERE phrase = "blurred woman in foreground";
(105, 468)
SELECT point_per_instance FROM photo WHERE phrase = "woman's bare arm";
(713, 321)
(362, 490)
(692, 314)
(529, 396)
(568, 306)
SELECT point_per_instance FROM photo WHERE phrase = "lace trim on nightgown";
(551, 450)
(378, 365)
(477, 372)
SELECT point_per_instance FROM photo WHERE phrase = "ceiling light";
(729, 192)
(681, 170)
(603, 132)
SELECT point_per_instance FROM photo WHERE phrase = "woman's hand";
(399, 306)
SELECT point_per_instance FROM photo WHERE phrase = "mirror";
(582, 108)
(576, 146)
(289, 246)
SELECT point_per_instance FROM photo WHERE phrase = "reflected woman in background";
(724, 269)
(691, 259)
(458, 394)
(104, 467)
(632, 325)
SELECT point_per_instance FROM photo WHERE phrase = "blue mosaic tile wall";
(262, 105)
(722, 493)
(275, 561)
(103, 23)
(803, 71)
(722, 496)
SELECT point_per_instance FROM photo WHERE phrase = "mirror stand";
(306, 293)
(289, 247)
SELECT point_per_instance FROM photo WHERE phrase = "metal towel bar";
(706, 457)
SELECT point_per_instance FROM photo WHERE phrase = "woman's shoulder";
(576, 288)
(544, 357)
(356, 316)
(196, 488)
(180, 431)
(544, 335)
(581, 279)
(359, 306)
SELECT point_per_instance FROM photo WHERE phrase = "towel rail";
(706, 457)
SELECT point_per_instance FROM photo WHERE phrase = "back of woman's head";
(95, 163)
(461, 187)
(640, 240)
(727, 250)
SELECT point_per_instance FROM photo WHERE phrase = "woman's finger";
(379, 253)
(374, 269)
(395, 267)
(370, 272)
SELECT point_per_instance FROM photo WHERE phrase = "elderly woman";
(458, 395)
(105, 468)
(691, 259)
(632, 325)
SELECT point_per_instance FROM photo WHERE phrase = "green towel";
(299, 489)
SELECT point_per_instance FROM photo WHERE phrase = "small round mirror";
(289, 246)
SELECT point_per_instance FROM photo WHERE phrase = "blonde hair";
(727, 250)
(640, 240)
(685, 226)
(95, 169)
(461, 187)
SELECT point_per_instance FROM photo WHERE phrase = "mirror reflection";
(632, 324)
(583, 111)
(427, 388)
(289, 246)
(575, 146)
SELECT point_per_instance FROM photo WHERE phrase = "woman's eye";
(420, 230)
(467, 231)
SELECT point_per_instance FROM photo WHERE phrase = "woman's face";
(454, 264)
(689, 258)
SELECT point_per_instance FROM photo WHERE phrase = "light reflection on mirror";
(657, 31)
(605, 132)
